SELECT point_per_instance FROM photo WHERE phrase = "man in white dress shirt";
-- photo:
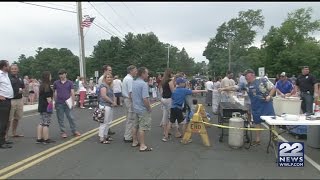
(6, 94)
(126, 93)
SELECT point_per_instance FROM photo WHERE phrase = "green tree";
(237, 34)
(291, 45)
(50, 59)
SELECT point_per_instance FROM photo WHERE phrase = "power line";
(105, 28)
(133, 15)
(66, 11)
(121, 17)
(49, 7)
(105, 18)
(102, 29)
(62, 5)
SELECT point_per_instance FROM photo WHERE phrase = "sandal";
(109, 138)
(105, 142)
(135, 145)
(146, 149)
(18, 135)
(255, 143)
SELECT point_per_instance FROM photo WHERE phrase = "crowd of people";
(174, 91)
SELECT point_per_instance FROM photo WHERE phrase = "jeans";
(61, 110)
(307, 102)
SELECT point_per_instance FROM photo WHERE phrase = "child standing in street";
(178, 100)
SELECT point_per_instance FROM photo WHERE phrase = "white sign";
(96, 74)
(261, 71)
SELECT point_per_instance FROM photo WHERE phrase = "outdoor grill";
(225, 113)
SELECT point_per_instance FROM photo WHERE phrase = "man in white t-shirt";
(106, 70)
(208, 86)
(117, 89)
(227, 88)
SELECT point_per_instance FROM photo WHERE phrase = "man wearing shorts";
(117, 89)
(142, 110)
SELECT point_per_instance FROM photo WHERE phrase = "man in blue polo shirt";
(283, 86)
(142, 110)
(63, 90)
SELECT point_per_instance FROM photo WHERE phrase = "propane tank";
(236, 135)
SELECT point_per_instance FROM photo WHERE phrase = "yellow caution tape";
(230, 127)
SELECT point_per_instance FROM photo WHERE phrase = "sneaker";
(48, 141)
(76, 133)
(165, 139)
(64, 135)
(111, 132)
(38, 141)
(127, 141)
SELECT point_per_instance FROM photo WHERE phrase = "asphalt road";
(84, 157)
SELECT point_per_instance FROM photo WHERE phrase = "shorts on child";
(176, 114)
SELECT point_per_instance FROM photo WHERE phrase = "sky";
(182, 24)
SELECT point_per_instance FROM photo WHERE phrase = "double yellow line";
(39, 157)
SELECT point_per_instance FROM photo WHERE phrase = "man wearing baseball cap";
(260, 92)
(284, 87)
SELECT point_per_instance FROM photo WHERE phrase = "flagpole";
(82, 56)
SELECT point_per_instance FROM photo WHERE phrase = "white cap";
(283, 74)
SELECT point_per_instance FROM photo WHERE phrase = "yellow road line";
(54, 150)
(22, 168)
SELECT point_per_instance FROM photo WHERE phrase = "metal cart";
(225, 110)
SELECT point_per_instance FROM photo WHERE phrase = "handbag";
(50, 107)
(98, 115)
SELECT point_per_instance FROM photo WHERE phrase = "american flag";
(87, 21)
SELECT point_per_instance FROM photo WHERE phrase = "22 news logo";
(291, 154)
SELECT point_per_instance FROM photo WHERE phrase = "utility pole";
(229, 48)
(168, 56)
(82, 56)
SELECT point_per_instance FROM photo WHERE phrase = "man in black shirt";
(16, 111)
(307, 85)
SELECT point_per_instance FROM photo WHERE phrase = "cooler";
(290, 105)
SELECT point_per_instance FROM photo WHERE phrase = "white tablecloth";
(281, 121)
